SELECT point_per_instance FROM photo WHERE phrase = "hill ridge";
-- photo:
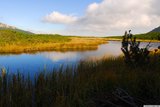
(6, 26)
(156, 29)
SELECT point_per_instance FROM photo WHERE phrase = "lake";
(40, 61)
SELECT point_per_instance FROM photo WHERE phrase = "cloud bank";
(111, 17)
(59, 18)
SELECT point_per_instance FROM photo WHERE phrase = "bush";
(133, 54)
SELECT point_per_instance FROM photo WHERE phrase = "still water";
(34, 63)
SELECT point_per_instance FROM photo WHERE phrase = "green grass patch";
(21, 38)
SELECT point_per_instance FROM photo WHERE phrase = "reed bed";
(89, 84)
(19, 42)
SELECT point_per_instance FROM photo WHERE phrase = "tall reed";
(90, 84)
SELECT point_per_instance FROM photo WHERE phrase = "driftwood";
(123, 96)
(118, 98)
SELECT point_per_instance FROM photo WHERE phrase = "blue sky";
(81, 17)
(28, 14)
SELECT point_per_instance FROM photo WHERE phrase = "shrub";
(133, 54)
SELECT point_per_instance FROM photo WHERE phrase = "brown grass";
(76, 43)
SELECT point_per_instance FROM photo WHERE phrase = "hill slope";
(8, 36)
(5, 27)
(145, 36)
(156, 29)
(154, 34)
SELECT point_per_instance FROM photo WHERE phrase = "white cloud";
(59, 18)
(57, 56)
(112, 17)
(92, 7)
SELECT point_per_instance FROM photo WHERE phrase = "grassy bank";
(102, 83)
(18, 42)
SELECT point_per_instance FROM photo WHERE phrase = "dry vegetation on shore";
(18, 42)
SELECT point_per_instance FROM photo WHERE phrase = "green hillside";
(149, 36)
(18, 30)
(156, 29)
(8, 27)
(17, 37)
(145, 36)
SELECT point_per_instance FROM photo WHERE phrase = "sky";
(81, 17)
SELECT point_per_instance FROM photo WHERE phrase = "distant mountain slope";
(5, 26)
(146, 36)
(149, 36)
(156, 29)
(152, 35)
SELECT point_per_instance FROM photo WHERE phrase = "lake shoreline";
(19, 42)
(75, 44)
(141, 40)
(83, 44)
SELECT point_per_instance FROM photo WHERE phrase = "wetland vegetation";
(12, 41)
(106, 82)
(89, 83)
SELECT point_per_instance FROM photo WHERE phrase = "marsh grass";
(18, 42)
(90, 84)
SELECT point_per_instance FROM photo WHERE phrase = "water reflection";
(111, 49)
(33, 63)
